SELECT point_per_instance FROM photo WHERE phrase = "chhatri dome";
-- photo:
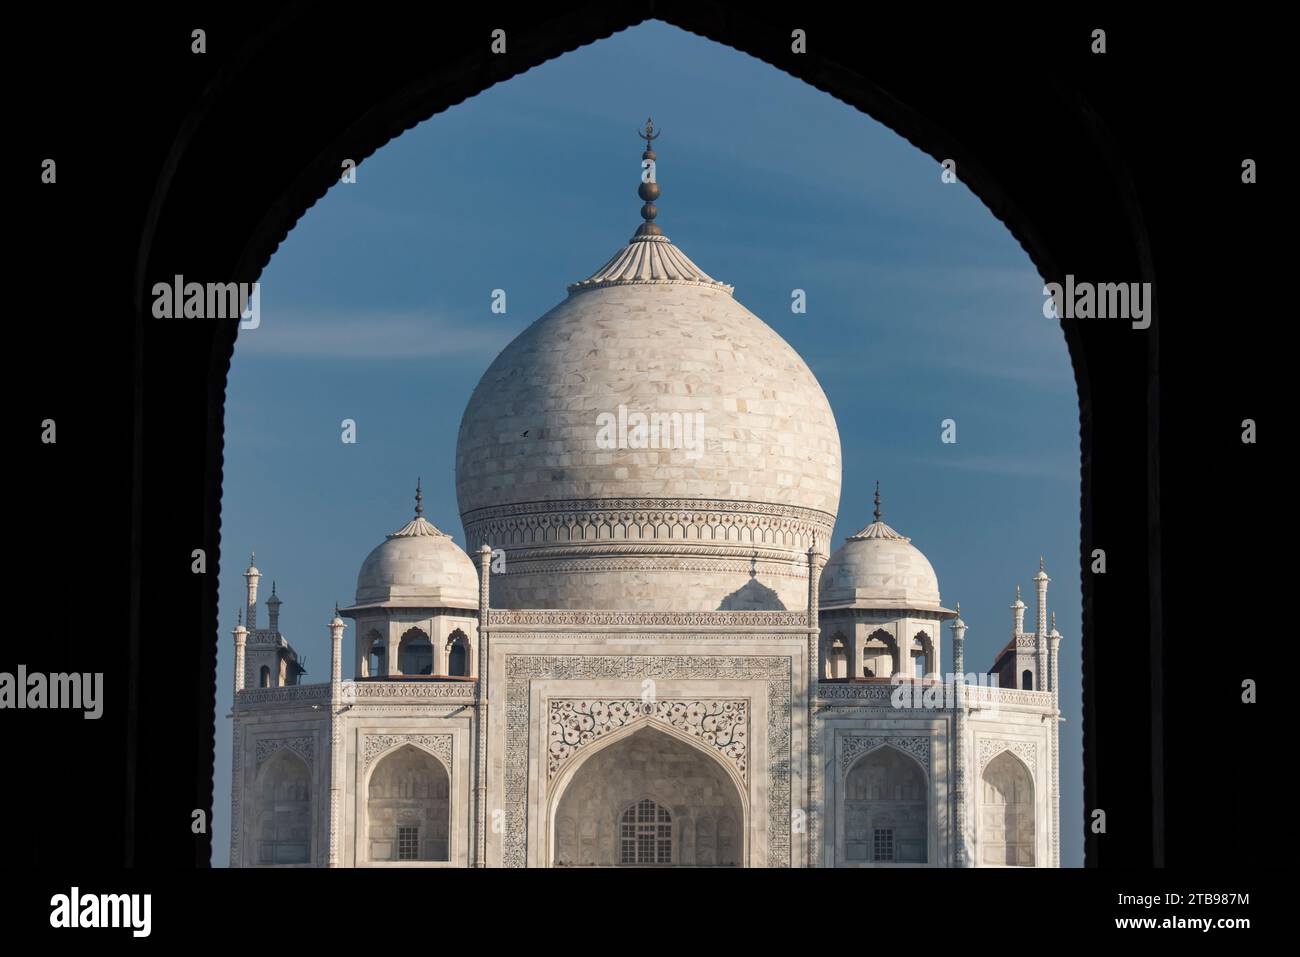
(649, 443)
(881, 569)
(418, 566)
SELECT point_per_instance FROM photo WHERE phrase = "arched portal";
(282, 828)
(408, 808)
(649, 798)
(1007, 813)
(886, 810)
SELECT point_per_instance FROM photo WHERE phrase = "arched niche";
(886, 809)
(1007, 824)
(408, 808)
(282, 826)
(703, 802)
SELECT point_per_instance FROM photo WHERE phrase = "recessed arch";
(282, 812)
(1008, 819)
(589, 797)
(408, 807)
(887, 808)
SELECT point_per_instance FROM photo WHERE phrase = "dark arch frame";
(277, 84)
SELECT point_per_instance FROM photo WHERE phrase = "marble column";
(336, 740)
(960, 856)
(483, 700)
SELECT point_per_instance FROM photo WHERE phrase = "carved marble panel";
(723, 725)
(302, 745)
(374, 746)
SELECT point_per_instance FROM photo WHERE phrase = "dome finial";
(649, 188)
(877, 511)
(419, 499)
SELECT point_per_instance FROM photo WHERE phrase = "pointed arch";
(415, 653)
(886, 808)
(408, 807)
(665, 766)
(1008, 825)
(458, 654)
(282, 814)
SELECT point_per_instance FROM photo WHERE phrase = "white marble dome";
(879, 568)
(418, 566)
(723, 520)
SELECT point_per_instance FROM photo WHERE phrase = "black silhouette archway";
(293, 95)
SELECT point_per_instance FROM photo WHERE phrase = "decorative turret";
(336, 627)
(1040, 650)
(241, 640)
(273, 609)
(1040, 583)
(1017, 615)
(252, 576)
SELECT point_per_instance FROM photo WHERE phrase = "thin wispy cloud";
(359, 334)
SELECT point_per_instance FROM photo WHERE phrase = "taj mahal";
(653, 654)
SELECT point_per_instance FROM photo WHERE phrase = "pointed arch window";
(646, 834)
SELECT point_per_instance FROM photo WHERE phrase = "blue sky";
(921, 307)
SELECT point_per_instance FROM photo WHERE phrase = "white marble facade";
(633, 670)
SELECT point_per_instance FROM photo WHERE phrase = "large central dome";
(649, 444)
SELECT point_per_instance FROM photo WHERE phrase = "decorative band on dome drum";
(707, 523)
(598, 505)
